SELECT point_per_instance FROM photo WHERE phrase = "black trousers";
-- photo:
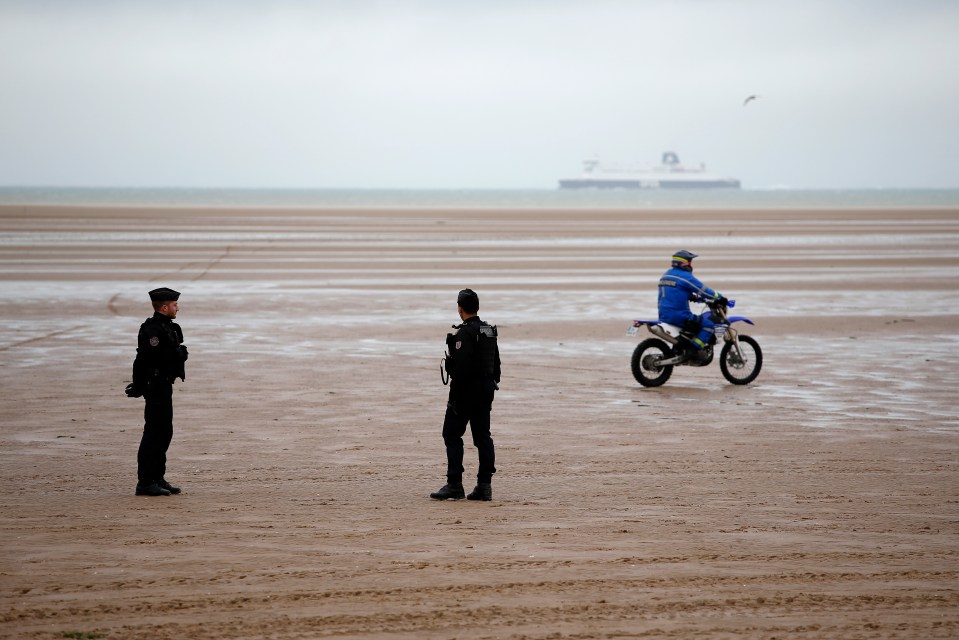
(458, 414)
(157, 432)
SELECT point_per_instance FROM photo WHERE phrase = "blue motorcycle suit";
(676, 288)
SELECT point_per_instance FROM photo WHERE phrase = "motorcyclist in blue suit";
(677, 287)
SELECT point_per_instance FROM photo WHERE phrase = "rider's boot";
(697, 350)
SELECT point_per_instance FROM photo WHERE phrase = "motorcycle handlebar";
(729, 303)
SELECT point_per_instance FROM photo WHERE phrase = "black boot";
(450, 491)
(163, 484)
(150, 488)
(482, 491)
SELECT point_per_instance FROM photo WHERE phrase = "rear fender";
(639, 323)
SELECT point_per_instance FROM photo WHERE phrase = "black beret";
(164, 295)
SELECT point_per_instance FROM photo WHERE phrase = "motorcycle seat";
(671, 329)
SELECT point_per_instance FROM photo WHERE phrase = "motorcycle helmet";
(683, 259)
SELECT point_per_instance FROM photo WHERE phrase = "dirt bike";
(740, 358)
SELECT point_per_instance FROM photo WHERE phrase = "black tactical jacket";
(473, 363)
(160, 352)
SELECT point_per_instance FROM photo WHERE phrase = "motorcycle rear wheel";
(741, 367)
(644, 363)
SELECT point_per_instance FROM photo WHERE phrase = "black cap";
(164, 295)
(468, 299)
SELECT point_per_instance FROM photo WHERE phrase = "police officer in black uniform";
(473, 366)
(159, 361)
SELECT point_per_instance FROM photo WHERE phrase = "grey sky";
(484, 94)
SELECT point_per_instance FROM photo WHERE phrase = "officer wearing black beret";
(160, 360)
(473, 366)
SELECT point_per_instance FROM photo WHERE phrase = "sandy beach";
(821, 501)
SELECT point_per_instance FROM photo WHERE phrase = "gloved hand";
(184, 352)
(133, 391)
(722, 301)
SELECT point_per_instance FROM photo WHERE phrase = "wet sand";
(822, 501)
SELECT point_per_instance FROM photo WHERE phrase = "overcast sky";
(476, 94)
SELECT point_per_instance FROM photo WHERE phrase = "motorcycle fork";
(733, 336)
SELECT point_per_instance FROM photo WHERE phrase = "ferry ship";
(670, 174)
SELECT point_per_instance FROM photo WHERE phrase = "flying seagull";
(749, 99)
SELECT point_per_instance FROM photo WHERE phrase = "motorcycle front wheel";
(741, 366)
(645, 363)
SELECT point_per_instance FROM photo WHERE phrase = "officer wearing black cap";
(160, 360)
(473, 366)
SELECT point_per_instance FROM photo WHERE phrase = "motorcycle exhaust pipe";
(657, 331)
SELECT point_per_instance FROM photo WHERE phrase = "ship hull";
(592, 183)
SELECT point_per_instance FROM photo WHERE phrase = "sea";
(485, 198)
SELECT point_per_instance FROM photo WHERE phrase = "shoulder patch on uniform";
(459, 343)
(154, 341)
